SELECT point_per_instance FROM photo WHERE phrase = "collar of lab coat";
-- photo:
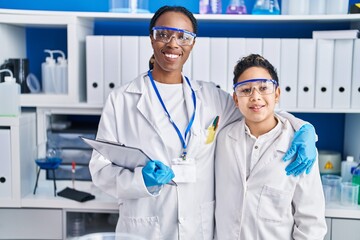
(144, 106)
(280, 146)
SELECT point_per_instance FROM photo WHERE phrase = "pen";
(216, 122)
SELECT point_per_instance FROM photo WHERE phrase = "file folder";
(5, 161)
(145, 53)
(129, 58)
(253, 46)
(112, 64)
(201, 59)
(95, 69)
(324, 73)
(343, 58)
(289, 73)
(307, 66)
(218, 63)
(235, 51)
(355, 85)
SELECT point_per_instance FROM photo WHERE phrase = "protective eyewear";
(262, 86)
(165, 34)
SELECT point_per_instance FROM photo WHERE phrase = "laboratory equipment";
(329, 162)
(349, 194)
(204, 7)
(9, 96)
(356, 178)
(50, 163)
(332, 188)
(129, 6)
(48, 73)
(61, 72)
(216, 6)
(346, 167)
(266, 7)
(236, 7)
(299, 7)
(20, 69)
(317, 7)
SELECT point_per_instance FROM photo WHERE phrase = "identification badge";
(184, 170)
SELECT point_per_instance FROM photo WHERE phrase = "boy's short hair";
(254, 60)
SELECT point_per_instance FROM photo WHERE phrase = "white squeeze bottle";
(346, 168)
(48, 74)
(61, 73)
(9, 96)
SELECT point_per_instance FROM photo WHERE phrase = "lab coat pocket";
(207, 218)
(274, 204)
(146, 227)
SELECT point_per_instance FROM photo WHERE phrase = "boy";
(254, 197)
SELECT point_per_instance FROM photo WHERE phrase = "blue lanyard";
(182, 139)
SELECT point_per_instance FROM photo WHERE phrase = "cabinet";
(27, 143)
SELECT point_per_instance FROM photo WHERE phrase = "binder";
(218, 63)
(324, 73)
(355, 85)
(235, 51)
(145, 53)
(253, 46)
(129, 58)
(343, 58)
(112, 64)
(307, 66)
(336, 34)
(201, 59)
(5, 161)
(95, 69)
(187, 68)
(289, 72)
(272, 51)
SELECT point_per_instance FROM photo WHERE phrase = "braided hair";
(180, 9)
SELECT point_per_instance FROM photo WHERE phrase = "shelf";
(199, 17)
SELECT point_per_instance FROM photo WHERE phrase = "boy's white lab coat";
(268, 205)
(182, 212)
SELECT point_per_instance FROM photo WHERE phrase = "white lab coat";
(268, 205)
(182, 212)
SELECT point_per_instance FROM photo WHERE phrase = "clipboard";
(119, 154)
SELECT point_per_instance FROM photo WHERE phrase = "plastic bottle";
(236, 7)
(356, 178)
(61, 73)
(266, 7)
(346, 168)
(9, 96)
(48, 74)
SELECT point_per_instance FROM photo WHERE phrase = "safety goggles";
(262, 86)
(165, 34)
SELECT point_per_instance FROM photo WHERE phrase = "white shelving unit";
(78, 25)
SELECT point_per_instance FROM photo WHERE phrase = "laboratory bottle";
(9, 96)
(216, 6)
(48, 74)
(204, 7)
(236, 7)
(266, 7)
(356, 178)
(61, 73)
(346, 168)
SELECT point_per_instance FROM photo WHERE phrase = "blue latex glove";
(155, 173)
(303, 147)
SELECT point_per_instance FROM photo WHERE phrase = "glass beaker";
(266, 7)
